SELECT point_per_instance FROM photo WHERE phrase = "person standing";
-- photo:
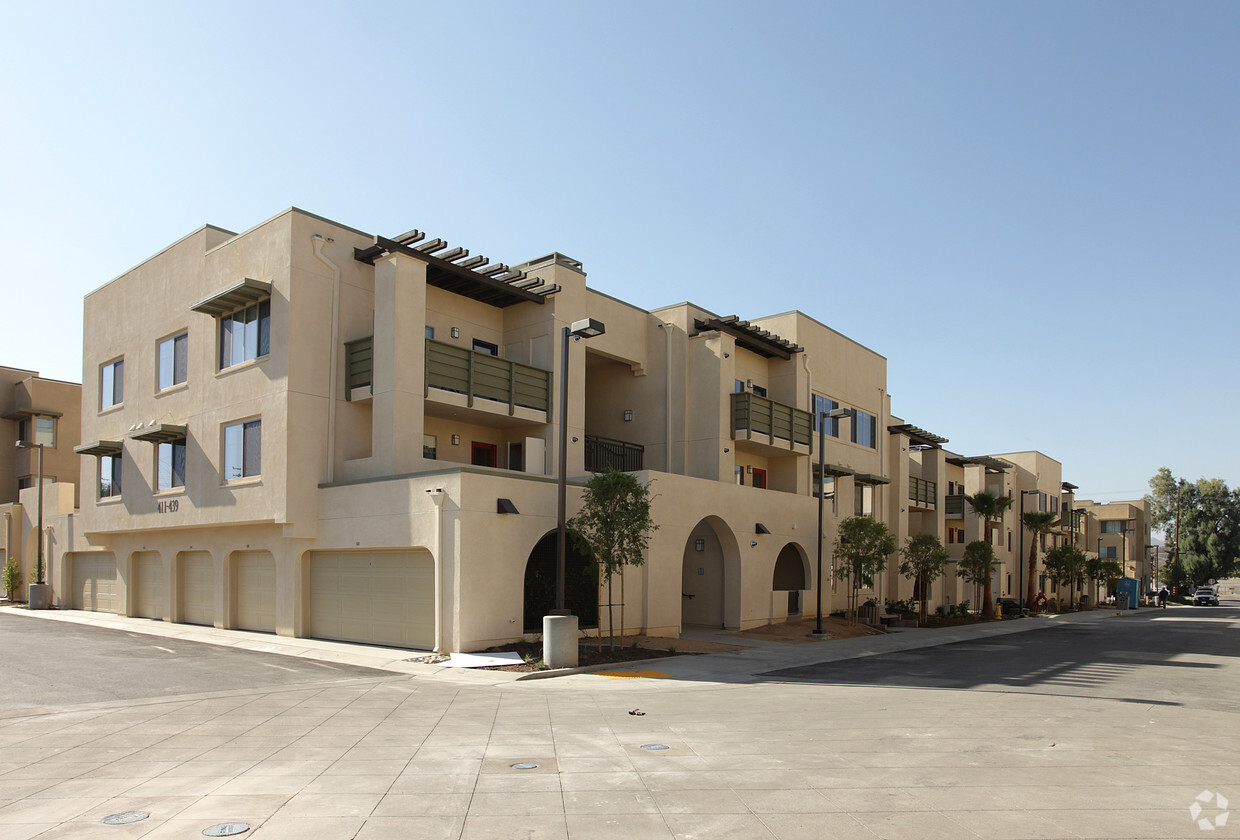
(1162, 597)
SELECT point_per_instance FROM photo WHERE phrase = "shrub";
(12, 577)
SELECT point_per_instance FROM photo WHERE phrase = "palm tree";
(1038, 523)
(988, 507)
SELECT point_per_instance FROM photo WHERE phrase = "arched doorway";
(791, 576)
(580, 584)
(710, 577)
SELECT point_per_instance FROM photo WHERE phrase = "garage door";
(196, 583)
(374, 597)
(94, 583)
(256, 591)
(148, 599)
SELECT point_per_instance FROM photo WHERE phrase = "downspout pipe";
(319, 242)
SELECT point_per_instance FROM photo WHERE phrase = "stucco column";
(399, 363)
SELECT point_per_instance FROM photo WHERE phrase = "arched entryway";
(791, 575)
(710, 592)
(580, 584)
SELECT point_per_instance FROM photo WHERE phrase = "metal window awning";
(99, 447)
(159, 433)
(455, 271)
(870, 478)
(918, 436)
(836, 470)
(1068, 487)
(755, 339)
(988, 461)
(27, 413)
(234, 297)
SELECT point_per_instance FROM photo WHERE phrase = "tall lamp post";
(823, 417)
(1020, 560)
(41, 596)
(560, 626)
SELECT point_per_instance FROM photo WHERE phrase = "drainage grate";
(125, 818)
(655, 747)
(226, 829)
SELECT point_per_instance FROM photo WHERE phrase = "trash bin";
(1121, 601)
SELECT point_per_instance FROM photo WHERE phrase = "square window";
(245, 334)
(112, 384)
(109, 476)
(173, 360)
(170, 464)
(243, 450)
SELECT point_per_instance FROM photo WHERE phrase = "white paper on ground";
(482, 660)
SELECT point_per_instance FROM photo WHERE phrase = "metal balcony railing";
(359, 364)
(774, 420)
(476, 374)
(953, 505)
(922, 492)
(603, 454)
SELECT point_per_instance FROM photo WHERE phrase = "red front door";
(483, 454)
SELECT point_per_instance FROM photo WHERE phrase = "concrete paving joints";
(426, 751)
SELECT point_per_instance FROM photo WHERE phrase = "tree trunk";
(1033, 568)
(611, 628)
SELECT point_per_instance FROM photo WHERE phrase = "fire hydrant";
(998, 611)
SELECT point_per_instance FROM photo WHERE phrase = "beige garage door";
(196, 585)
(255, 582)
(94, 583)
(148, 570)
(374, 597)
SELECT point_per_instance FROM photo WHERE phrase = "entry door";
(483, 454)
(759, 477)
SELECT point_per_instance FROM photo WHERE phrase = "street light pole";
(823, 416)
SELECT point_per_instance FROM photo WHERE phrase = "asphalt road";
(1171, 657)
(53, 663)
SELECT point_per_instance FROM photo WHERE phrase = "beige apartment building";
(1121, 531)
(45, 415)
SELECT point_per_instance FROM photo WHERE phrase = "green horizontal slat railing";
(922, 491)
(359, 360)
(776, 421)
(481, 375)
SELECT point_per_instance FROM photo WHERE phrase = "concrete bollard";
(560, 641)
(40, 596)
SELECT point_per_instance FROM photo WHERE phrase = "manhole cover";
(226, 829)
(655, 747)
(525, 765)
(125, 818)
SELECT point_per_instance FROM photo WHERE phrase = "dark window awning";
(99, 447)
(918, 436)
(756, 340)
(988, 461)
(234, 297)
(1068, 487)
(455, 271)
(837, 470)
(159, 433)
(27, 413)
(869, 478)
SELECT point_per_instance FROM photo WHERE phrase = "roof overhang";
(837, 470)
(869, 478)
(234, 297)
(756, 340)
(1068, 487)
(99, 447)
(455, 271)
(159, 433)
(988, 461)
(918, 436)
(26, 413)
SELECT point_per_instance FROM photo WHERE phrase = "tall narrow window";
(245, 334)
(821, 406)
(430, 447)
(864, 428)
(243, 453)
(170, 465)
(45, 431)
(112, 384)
(173, 360)
(109, 476)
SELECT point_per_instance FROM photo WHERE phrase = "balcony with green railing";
(921, 493)
(359, 367)
(954, 505)
(765, 421)
(481, 376)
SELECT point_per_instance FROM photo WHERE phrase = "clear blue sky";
(1031, 209)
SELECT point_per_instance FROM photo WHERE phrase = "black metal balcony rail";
(477, 374)
(777, 421)
(603, 454)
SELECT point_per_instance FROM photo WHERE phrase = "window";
(955, 488)
(112, 384)
(1109, 552)
(487, 347)
(863, 500)
(818, 484)
(821, 406)
(759, 391)
(1111, 526)
(243, 450)
(739, 472)
(759, 478)
(739, 386)
(483, 454)
(864, 428)
(109, 476)
(42, 431)
(173, 360)
(430, 332)
(245, 334)
(430, 447)
(1054, 504)
(170, 464)
(28, 481)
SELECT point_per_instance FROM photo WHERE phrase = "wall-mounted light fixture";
(727, 355)
(753, 543)
(726, 450)
(699, 545)
(749, 384)
(456, 332)
(456, 440)
(628, 415)
(749, 469)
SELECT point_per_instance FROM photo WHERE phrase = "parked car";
(1205, 597)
